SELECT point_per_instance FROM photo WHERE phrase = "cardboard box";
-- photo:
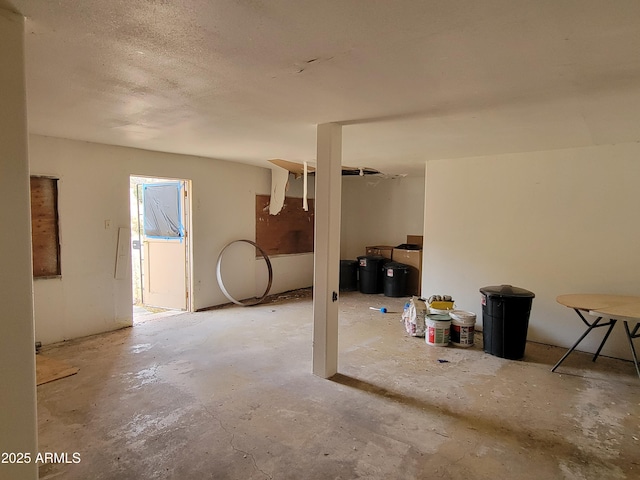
(412, 258)
(415, 240)
(385, 251)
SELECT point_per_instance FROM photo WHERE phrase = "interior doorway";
(160, 250)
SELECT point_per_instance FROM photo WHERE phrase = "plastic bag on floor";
(413, 317)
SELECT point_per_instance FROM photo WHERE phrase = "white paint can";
(438, 311)
(437, 330)
(462, 328)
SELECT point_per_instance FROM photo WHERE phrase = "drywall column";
(425, 244)
(326, 267)
(18, 426)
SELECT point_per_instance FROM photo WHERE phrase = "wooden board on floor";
(49, 369)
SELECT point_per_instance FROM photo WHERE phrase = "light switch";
(107, 224)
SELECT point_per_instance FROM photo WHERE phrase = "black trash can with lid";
(370, 273)
(348, 275)
(395, 279)
(505, 319)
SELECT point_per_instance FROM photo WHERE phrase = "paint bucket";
(462, 327)
(438, 311)
(437, 330)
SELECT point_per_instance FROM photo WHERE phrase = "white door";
(165, 266)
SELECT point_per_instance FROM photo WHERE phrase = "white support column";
(425, 245)
(326, 275)
(18, 423)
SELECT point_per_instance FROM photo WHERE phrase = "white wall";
(94, 187)
(379, 211)
(552, 222)
(18, 428)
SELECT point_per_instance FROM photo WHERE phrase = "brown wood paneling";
(290, 231)
(44, 227)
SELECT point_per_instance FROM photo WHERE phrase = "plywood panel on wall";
(288, 232)
(44, 227)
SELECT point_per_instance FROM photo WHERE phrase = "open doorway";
(160, 250)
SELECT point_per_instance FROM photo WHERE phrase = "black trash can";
(505, 318)
(370, 272)
(394, 282)
(348, 275)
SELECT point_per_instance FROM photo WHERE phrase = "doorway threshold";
(144, 313)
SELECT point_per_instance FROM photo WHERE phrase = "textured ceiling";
(410, 80)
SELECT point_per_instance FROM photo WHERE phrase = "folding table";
(612, 307)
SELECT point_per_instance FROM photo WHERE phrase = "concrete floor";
(228, 394)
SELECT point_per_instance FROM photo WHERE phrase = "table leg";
(604, 340)
(590, 326)
(630, 337)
